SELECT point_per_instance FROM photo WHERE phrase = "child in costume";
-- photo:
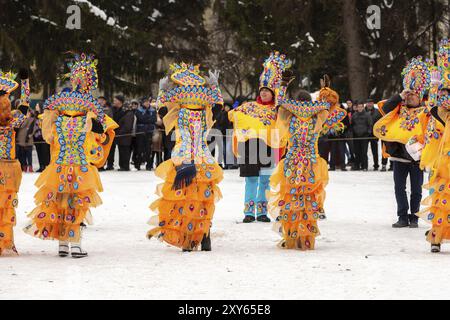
(434, 149)
(80, 136)
(189, 192)
(405, 116)
(10, 169)
(299, 182)
(254, 138)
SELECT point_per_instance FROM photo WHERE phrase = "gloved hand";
(164, 84)
(436, 79)
(213, 79)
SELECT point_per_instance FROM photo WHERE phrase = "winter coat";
(250, 162)
(125, 119)
(362, 125)
(395, 149)
(167, 139)
(375, 115)
(25, 133)
(145, 120)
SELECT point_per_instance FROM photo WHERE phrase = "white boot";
(77, 251)
(63, 249)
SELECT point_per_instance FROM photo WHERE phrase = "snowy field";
(359, 255)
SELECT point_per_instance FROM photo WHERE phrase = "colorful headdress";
(417, 76)
(7, 82)
(274, 67)
(24, 88)
(326, 94)
(444, 62)
(83, 73)
(186, 75)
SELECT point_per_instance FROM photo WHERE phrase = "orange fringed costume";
(69, 187)
(188, 195)
(10, 169)
(436, 153)
(298, 184)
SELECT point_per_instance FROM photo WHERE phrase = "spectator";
(24, 140)
(337, 147)
(349, 149)
(361, 127)
(124, 117)
(168, 139)
(134, 105)
(374, 143)
(42, 147)
(157, 139)
(230, 159)
(146, 118)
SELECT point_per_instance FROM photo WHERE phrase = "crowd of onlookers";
(350, 148)
(141, 140)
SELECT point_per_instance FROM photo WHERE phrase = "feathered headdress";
(444, 62)
(83, 73)
(274, 66)
(7, 83)
(417, 76)
(186, 75)
(326, 94)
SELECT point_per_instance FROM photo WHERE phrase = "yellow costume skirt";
(66, 194)
(438, 206)
(297, 205)
(185, 215)
(10, 179)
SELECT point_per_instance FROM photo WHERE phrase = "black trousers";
(401, 173)
(374, 147)
(25, 155)
(43, 152)
(124, 157)
(112, 154)
(361, 158)
(143, 150)
(337, 154)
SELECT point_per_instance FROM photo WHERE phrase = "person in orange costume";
(80, 136)
(255, 141)
(188, 195)
(10, 169)
(298, 184)
(405, 116)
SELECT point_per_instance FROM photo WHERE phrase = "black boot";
(403, 222)
(413, 221)
(264, 219)
(206, 243)
(435, 248)
(249, 219)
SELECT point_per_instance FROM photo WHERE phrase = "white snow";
(358, 256)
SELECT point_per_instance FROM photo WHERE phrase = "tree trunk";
(357, 71)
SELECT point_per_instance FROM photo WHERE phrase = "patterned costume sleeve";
(334, 124)
(17, 119)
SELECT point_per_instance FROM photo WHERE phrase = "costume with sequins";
(190, 190)
(436, 154)
(10, 169)
(298, 184)
(69, 186)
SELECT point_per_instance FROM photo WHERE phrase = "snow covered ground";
(359, 255)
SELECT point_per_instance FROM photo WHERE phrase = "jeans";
(401, 172)
(255, 195)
